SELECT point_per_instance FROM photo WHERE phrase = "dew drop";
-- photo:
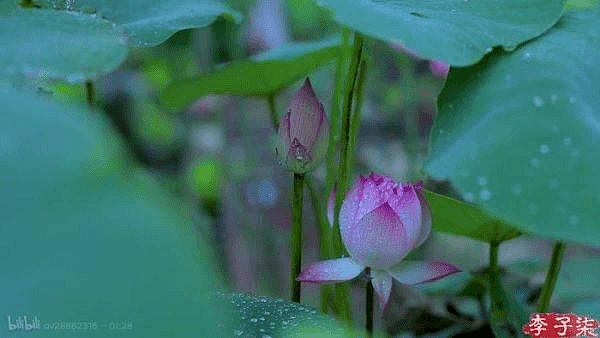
(535, 162)
(485, 194)
(574, 152)
(254, 320)
(572, 100)
(533, 209)
(567, 141)
(516, 189)
(266, 336)
(544, 149)
(489, 49)
(553, 98)
(482, 180)
(573, 219)
(469, 197)
(238, 332)
(537, 101)
(527, 55)
(285, 322)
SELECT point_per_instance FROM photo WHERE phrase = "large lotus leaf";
(46, 43)
(150, 22)
(458, 32)
(459, 218)
(271, 317)
(519, 133)
(578, 279)
(265, 74)
(89, 246)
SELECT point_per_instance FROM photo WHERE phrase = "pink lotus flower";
(437, 67)
(303, 132)
(381, 221)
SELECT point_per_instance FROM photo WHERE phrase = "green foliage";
(265, 74)
(50, 44)
(150, 22)
(205, 177)
(507, 315)
(458, 32)
(519, 133)
(455, 217)
(85, 237)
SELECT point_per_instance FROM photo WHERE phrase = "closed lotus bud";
(303, 132)
(382, 220)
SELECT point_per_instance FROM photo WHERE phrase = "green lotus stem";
(546, 295)
(494, 269)
(27, 3)
(323, 227)
(369, 306)
(346, 144)
(342, 290)
(335, 112)
(494, 272)
(296, 256)
(355, 122)
(274, 117)
(89, 93)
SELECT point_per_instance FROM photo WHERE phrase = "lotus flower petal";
(414, 272)
(331, 206)
(426, 221)
(378, 240)
(382, 284)
(380, 221)
(331, 271)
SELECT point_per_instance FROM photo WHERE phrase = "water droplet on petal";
(469, 197)
(572, 100)
(254, 320)
(567, 141)
(238, 332)
(537, 101)
(482, 180)
(553, 98)
(485, 194)
(544, 149)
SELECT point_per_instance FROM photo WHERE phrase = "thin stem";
(296, 236)
(355, 122)
(89, 93)
(342, 290)
(369, 306)
(274, 118)
(27, 3)
(546, 296)
(494, 257)
(338, 248)
(335, 111)
(326, 290)
(494, 275)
